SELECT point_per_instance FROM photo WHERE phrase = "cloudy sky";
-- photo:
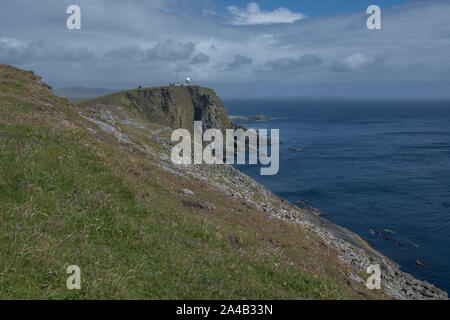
(239, 48)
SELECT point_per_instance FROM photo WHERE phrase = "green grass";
(63, 204)
(6, 86)
(12, 105)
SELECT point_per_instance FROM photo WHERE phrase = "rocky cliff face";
(177, 107)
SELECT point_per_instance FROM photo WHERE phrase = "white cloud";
(13, 43)
(357, 60)
(253, 15)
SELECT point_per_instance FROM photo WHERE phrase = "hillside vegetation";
(91, 186)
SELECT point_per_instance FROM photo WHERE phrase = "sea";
(380, 168)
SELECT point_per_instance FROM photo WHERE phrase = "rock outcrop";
(177, 107)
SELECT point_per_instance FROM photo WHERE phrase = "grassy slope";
(67, 197)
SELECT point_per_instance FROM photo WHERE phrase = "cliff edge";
(177, 107)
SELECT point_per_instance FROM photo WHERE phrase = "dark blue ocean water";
(379, 166)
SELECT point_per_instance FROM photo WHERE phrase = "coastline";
(400, 249)
(353, 250)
